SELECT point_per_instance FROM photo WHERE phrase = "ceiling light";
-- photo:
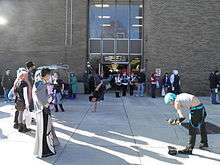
(136, 25)
(139, 17)
(104, 17)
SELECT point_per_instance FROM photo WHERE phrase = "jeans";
(11, 94)
(213, 96)
(140, 90)
(6, 91)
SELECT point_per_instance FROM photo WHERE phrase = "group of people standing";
(35, 93)
(122, 82)
(168, 83)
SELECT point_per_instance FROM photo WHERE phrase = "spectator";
(175, 82)
(132, 81)
(153, 82)
(58, 90)
(73, 84)
(141, 77)
(7, 83)
(124, 84)
(166, 83)
(44, 138)
(213, 79)
(117, 85)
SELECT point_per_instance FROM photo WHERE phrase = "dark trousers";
(117, 92)
(192, 135)
(131, 90)
(153, 90)
(46, 151)
(198, 119)
(124, 90)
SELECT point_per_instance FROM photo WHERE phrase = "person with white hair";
(21, 91)
(175, 82)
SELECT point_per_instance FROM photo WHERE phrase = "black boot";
(15, 125)
(25, 129)
(61, 107)
(20, 127)
(186, 150)
(56, 107)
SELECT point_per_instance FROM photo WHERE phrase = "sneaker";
(203, 146)
(186, 150)
(15, 126)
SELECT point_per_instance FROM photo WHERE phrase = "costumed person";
(118, 85)
(124, 84)
(58, 90)
(166, 85)
(7, 83)
(197, 115)
(132, 81)
(73, 84)
(45, 139)
(97, 96)
(175, 82)
(21, 90)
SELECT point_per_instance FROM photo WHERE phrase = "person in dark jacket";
(7, 83)
(213, 79)
(124, 84)
(166, 83)
(141, 77)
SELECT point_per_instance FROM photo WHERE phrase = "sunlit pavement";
(126, 130)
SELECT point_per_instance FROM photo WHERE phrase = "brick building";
(131, 34)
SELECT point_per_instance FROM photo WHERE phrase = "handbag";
(19, 104)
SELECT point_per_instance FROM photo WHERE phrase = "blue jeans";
(213, 96)
(140, 90)
(6, 91)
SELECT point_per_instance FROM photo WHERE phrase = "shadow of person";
(2, 136)
(207, 157)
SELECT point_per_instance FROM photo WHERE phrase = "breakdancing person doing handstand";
(197, 115)
(98, 95)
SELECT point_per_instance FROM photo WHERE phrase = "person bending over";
(197, 115)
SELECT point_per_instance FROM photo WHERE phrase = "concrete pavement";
(126, 130)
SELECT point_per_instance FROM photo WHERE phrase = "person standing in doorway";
(7, 83)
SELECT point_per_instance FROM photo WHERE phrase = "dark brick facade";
(183, 35)
(178, 34)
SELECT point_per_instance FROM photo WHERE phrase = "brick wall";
(183, 35)
(36, 31)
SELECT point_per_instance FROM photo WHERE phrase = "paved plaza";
(126, 130)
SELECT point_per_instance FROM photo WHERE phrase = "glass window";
(95, 46)
(136, 19)
(108, 19)
(122, 46)
(135, 46)
(122, 19)
(108, 46)
(94, 21)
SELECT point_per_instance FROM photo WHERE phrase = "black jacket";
(213, 80)
(7, 81)
(141, 77)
